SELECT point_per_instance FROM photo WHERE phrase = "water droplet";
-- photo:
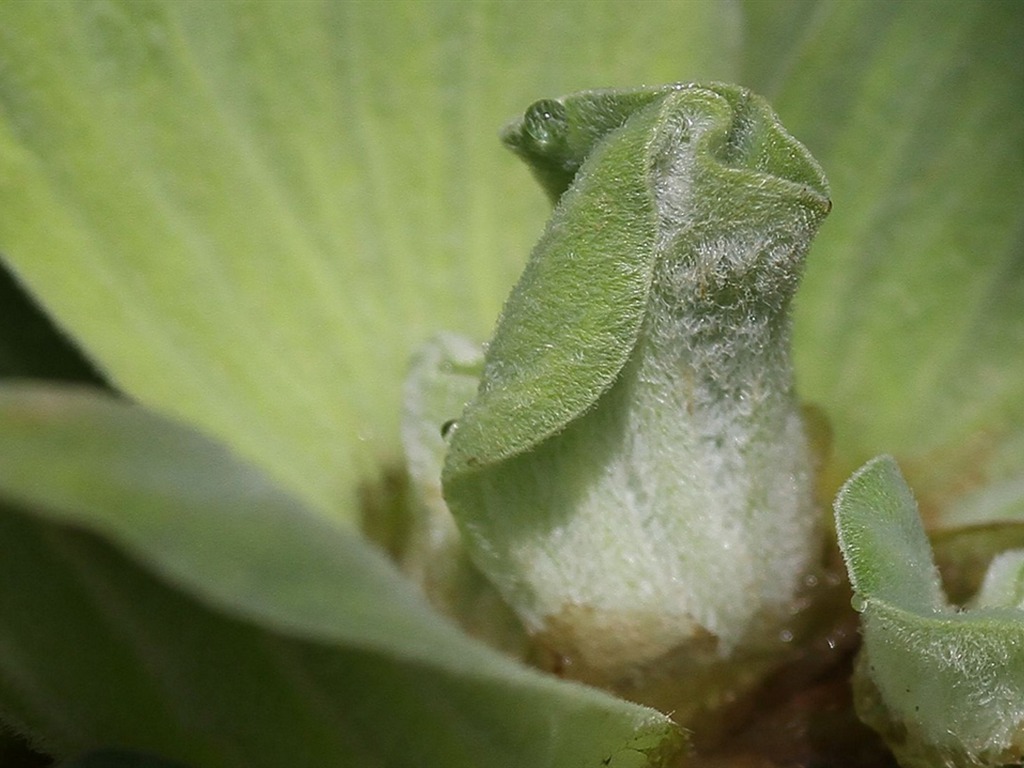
(858, 602)
(545, 123)
(448, 427)
(786, 636)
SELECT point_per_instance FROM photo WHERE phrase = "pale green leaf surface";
(191, 684)
(443, 378)
(250, 214)
(207, 672)
(964, 554)
(1004, 582)
(887, 553)
(181, 182)
(572, 320)
(909, 329)
(201, 517)
(425, 542)
(950, 684)
(635, 435)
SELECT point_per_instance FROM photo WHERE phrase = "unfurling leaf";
(634, 473)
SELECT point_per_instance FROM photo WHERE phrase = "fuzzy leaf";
(943, 687)
(634, 471)
(555, 136)
(1004, 582)
(886, 550)
(573, 318)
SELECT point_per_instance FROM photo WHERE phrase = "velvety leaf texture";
(943, 687)
(644, 350)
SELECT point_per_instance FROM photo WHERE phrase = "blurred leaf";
(963, 554)
(1002, 587)
(250, 214)
(293, 643)
(148, 668)
(111, 759)
(185, 506)
(909, 327)
(424, 541)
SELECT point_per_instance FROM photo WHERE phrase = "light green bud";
(633, 473)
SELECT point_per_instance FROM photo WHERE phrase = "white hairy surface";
(700, 511)
(680, 506)
(689, 483)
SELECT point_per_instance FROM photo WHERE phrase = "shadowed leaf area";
(30, 344)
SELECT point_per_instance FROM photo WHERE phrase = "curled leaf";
(634, 473)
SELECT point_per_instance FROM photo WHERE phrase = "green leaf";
(886, 550)
(908, 326)
(964, 554)
(555, 136)
(443, 377)
(943, 687)
(227, 624)
(250, 214)
(633, 474)
(187, 508)
(1004, 582)
(574, 316)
